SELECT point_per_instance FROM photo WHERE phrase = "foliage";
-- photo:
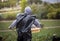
(46, 34)
(8, 36)
(39, 10)
(58, 15)
(1, 17)
(46, 10)
(52, 10)
(46, 23)
(9, 3)
(23, 4)
(43, 35)
(35, 1)
(51, 15)
(8, 16)
(42, 11)
(34, 8)
(4, 25)
(50, 23)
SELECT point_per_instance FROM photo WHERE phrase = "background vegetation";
(46, 23)
(45, 34)
(8, 3)
(40, 9)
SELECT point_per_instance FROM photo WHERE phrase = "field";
(53, 27)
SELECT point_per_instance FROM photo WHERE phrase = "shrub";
(8, 3)
(1, 17)
(58, 15)
(51, 15)
(23, 4)
(8, 16)
(38, 9)
(35, 10)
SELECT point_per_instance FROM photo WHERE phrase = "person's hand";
(10, 27)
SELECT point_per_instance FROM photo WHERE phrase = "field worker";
(23, 24)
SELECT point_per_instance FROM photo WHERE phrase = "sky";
(52, 1)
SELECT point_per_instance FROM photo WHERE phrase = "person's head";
(28, 10)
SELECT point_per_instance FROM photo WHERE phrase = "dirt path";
(40, 20)
(6, 30)
(52, 27)
(35, 29)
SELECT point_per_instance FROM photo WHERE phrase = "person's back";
(25, 24)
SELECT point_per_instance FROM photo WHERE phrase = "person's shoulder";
(19, 14)
(33, 16)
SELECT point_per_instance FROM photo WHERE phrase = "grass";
(5, 25)
(8, 36)
(46, 34)
(43, 35)
(51, 23)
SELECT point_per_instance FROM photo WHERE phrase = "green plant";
(8, 3)
(8, 16)
(51, 15)
(1, 17)
(38, 10)
(23, 4)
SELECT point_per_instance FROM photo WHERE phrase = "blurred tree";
(39, 10)
(9, 3)
(35, 1)
(52, 10)
(58, 15)
(23, 4)
(49, 10)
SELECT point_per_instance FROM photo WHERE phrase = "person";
(27, 35)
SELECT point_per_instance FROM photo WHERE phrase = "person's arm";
(37, 23)
(13, 24)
